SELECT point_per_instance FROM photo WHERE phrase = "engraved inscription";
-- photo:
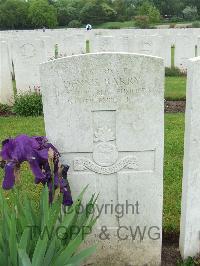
(114, 88)
(146, 47)
(27, 50)
(81, 164)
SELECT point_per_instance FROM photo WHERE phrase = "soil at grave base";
(175, 106)
(170, 249)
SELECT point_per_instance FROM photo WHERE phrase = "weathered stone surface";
(106, 118)
(6, 89)
(27, 55)
(190, 216)
(184, 50)
(198, 46)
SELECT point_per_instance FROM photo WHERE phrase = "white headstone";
(27, 55)
(153, 45)
(49, 44)
(190, 214)
(184, 50)
(6, 88)
(71, 45)
(103, 44)
(106, 118)
(198, 46)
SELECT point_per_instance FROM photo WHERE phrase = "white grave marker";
(190, 215)
(6, 88)
(27, 55)
(184, 50)
(106, 118)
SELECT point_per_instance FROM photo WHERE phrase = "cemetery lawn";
(175, 88)
(116, 25)
(174, 130)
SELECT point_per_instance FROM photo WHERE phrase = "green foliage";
(22, 14)
(194, 3)
(174, 72)
(170, 7)
(41, 13)
(74, 24)
(196, 24)
(28, 104)
(125, 9)
(117, 25)
(14, 14)
(142, 22)
(147, 9)
(175, 19)
(190, 13)
(189, 262)
(68, 10)
(5, 109)
(43, 236)
(96, 12)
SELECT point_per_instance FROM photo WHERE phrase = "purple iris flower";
(34, 150)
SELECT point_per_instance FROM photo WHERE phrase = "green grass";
(175, 88)
(116, 25)
(174, 128)
(131, 23)
(174, 146)
(13, 126)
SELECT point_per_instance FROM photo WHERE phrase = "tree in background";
(14, 14)
(194, 3)
(149, 10)
(68, 10)
(23, 14)
(190, 13)
(41, 13)
(170, 7)
(97, 11)
(142, 22)
(125, 9)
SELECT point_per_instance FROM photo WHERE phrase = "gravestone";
(184, 50)
(71, 44)
(198, 46)
(106, 119)
(6, 88)
(190, 214)
(27, 55)
(153, 45)
(118, 44)
(103, 44)
(49, 44)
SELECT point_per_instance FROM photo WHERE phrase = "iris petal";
(35, 167)
(9, 179)
(35, 151)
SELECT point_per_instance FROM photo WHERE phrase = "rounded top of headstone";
(108, 56)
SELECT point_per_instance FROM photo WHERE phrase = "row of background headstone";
(27, 49)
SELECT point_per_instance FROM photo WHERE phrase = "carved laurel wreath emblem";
(105, 155)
